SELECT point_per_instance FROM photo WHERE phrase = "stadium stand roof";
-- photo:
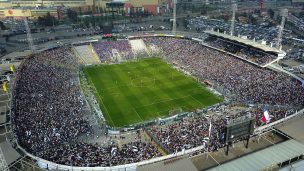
(293, 128)
(246, 42)
(297, 166)
(10, 154)
(178, 164)
(2, 118)
(266, 158)
(4, 110)
(17, 54)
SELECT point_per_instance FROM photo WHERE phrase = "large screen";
(239, 128)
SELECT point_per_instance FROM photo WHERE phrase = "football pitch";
(135, 92)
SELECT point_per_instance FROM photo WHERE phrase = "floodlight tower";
(234, 8)
(261, 4)
(174, 18)
(29, 36)
(3, 163)
(284, 14)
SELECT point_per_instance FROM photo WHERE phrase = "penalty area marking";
(105, 108)
(137, 114)
(167, 100)
(143, 82)
(195, 99)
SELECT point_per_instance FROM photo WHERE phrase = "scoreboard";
(239, 128)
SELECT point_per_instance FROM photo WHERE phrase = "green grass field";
(135, 92)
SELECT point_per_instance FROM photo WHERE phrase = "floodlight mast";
(3, 163)
(284, 14)
(234, 8)
(174, 18)
(29, 36)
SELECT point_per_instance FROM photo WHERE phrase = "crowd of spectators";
(48, 103)
(194, 131)
(244, 52)
(48, 107)
(250, 83)
(104, 49)
(296, 54)
(49, 115)
(92, 155)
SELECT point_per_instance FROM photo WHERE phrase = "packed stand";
(244, 52)
(104, 49)
(48, 103)
(92, 155)
(49, 115)
(250, 84)
(193, 132)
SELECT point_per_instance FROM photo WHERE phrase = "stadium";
(124, 103)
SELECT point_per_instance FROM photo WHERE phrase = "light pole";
(284, 14)
(174, 18)
(234, 8)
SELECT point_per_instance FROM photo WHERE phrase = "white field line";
(156, 100)
(137, 114)
(196, 100)
(163, 101)
(105, 108)
(102, 102)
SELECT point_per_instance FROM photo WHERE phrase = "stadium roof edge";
(291, 128)
(268, 158)
(248, 42)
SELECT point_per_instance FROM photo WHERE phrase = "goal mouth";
(143, 82)
(175, 111)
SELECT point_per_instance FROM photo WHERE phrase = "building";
(43, 3)
(152, 6)
(31, 13)
(297, 2)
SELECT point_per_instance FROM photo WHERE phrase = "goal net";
(175, 111)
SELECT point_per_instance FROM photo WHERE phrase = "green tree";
(80, 11)
(253, 20)
(2, 26)
(47, 20)
(301, 14)
(72, 15)
(271, 13)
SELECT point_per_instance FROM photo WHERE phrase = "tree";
(2, 26)
(72, 15)
(257, 11)
(253, 20)
(301, 14)
(185, 22)
(47, 20)
(271, 13)
(101, 10)
(80, 11)
(203, 12)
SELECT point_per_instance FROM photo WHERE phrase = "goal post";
(175, 111)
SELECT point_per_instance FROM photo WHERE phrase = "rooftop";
(270, 157)
(248, 42)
